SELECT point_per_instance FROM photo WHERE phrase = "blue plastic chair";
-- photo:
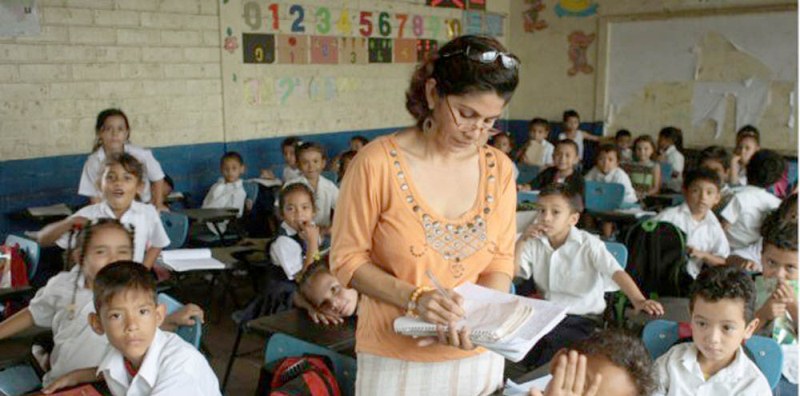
(190, 334)
(660, 335)
(18, 379)
(281, 345)
(603, 197)
(527, 196)
(250, 190)
(527, 173)
(619, 251)
(31, 249)
(330, 175)
(666, 173)
(177, 227)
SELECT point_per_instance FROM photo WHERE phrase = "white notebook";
(180, 260)
(504, 323)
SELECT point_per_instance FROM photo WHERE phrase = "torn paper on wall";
(792, 110)
(709, 102)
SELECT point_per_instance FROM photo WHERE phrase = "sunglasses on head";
(509, 61)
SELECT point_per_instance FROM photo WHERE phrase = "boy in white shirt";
(572, 121)
(311, 159)
(537, 151)
(705, 239)
(607, 170)
(670, 144)
(749, 258)
(228, 191)
(750, 204)
(722, 305)
(571, 267)
(142, 359)
(624, 141)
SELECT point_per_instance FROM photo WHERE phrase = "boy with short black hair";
(722, 305)
(311, 159)
(571, 267)
(743, 216)
(572, 123)
(748, 142)
(705, 238)
(623, 140)
(565, 159)
(718, 159)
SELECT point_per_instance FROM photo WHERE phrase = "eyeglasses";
(509, 61)
(473, 125)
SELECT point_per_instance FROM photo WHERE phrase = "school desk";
(214, 216)
(296, 323)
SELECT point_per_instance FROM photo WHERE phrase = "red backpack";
(308, 375)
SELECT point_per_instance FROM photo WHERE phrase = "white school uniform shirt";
(617, 175)
(225, 195)
(147, 227)
(745, 213)
(286, 253)
(674, 158)
(575, 275)
(705, 235)
(76, 345)
(578, 140)
(678, 373)
(93, 167)
(625, 154)
(752, 253)
(290, 173)
(171, 367)
(325, 198)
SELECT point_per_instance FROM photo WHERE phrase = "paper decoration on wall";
(425, 48)
(258, 48)
(476, 4)
(286, 87)
(259, 91)
(19, 18)
(292, 49)
(532, 16)
(494, 24)
(353, 50)
(576, 8)
(709, 102)
(578, 43)
(405, 51)
(324, 50)
(231, 43)
(473, 22)
(380, 50)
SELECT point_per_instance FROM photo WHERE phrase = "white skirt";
(478, 375)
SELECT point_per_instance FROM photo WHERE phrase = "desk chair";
(526, 173)
(281, 345)
(177, 227)
(190, 334)
(18, 379)
(618, 299)
(660, 335)
(603, 197)
(666, 173)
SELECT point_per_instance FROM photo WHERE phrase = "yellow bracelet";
(411, 307)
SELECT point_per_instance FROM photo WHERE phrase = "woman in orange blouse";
(431, 197)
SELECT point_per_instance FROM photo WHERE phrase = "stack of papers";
(181, 260)
(514, 335)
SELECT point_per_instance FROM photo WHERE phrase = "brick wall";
(156, 59)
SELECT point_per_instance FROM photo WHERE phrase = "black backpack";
(657, 258)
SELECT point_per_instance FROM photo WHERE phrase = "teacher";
(431, 197)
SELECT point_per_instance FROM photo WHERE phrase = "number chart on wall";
(281, 54)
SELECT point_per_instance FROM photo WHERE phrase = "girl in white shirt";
(122, 179)
(66, 301)
(112, 135)
(670, 144)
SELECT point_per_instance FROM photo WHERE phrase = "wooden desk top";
(205, 215)
(227, 254)
(296, 323)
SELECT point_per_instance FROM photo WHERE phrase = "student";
(228, 191)
(344, 161)
(617, 362)
(311, 160)
(705, 239)
(502, 141)
(607, 170)
(722, 302)
(325, 299)
(743, 216)
(121, 180)
(357, 142)
(142, 359)
(717, 159)
(571, 267)
(64, 304)
(777, 294)
(288, 147)
(748, 142)
(112, 135)
(670, 145)
(749, 258)
(572, 123)
(644, 171)
(537, 151)
(565, 159)
(623, 141)
(297, 244)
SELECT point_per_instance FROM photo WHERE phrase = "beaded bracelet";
(411, 307)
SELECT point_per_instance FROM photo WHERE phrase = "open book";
(504, 323)
(180, 260)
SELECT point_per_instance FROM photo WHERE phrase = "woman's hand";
(569, 378)
(435, 308)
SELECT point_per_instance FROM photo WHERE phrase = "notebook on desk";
(180, 260)
(504, 323)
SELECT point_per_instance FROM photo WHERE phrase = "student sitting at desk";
(66, 301)
(749, 258)
(142, 359)
(574, 268)
(323, 296)
(228, 191)
(122, 179)
(565, 159)
(297, 244)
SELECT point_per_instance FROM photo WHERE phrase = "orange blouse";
(381, 219)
